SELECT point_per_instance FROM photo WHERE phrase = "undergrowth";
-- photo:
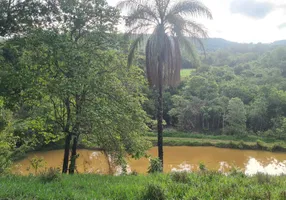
(179, 185)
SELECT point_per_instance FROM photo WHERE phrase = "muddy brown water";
(175, 159)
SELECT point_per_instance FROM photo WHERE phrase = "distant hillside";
(214, 44)
(279, 42)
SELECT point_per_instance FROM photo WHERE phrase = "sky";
(244, 21)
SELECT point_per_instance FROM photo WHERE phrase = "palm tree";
(170, 31)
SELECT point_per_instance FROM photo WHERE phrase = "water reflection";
(252, 167)
(175, 159)
(275, 167)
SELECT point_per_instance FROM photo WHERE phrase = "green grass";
(175, 138)
(246, 138)
(186, 73)
(209, 185)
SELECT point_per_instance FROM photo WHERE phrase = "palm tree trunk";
(160, 111)
(73, 156)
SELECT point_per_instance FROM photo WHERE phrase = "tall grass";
(248, 142)
(246, 138)
(207, 185)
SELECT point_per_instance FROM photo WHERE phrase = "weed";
(202, 166)
(263, 178)
(155, 166)
(52, 174)
(155, 192)
(37, 163)
(180, 177)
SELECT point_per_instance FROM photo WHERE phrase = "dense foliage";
(235, 91)
(68, 80)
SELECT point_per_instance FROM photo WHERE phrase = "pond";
(175, 159)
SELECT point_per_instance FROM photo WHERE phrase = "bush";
(202, 166)
(260, 145)
(37, 163)
(5, 160)
(236, 171)
(263, 178)
(52, 174)
(277, 147)
(180, 177)
(155, 166)
(155, 192)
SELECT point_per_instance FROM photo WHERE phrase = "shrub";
(155, 166)
(52, 174)
(37, 163)
(260, 144)
(263, 178)
(283, 195)
(134, 173)
(277, 147)
(154, 192)
(180, 177)
(202, 166)
(5, 161)
(236, 171)
(241, 145)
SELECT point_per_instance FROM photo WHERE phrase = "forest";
(236, 90)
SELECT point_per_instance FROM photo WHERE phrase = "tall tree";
(20, 16)
(169, 29)
(235, 117)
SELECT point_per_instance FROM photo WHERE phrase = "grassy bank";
(174, 138)
(163, 186)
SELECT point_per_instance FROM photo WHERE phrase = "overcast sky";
(245, 20)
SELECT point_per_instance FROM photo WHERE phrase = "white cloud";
(242, 26)
(252, 8)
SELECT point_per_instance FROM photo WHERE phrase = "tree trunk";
(160, 111)
(68, 137)
(66, 154)
(73, 156)
(223, 119)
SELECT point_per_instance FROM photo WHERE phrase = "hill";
(214, 44)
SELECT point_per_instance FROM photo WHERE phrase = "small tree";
(235, 117)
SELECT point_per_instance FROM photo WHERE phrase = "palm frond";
(141, 27)
(187, 45)
(152, 53)
(171, 56)
(199, 29)
(141, 14)
(187, 28)
(130, 4)
(170, 31)
(187, 7)
(134, 46)
(172, 61)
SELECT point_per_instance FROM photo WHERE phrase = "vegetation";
(213, 98)
(185, 73)
(258, 145)
(69, 80)
(202, 185)
(163, 55)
